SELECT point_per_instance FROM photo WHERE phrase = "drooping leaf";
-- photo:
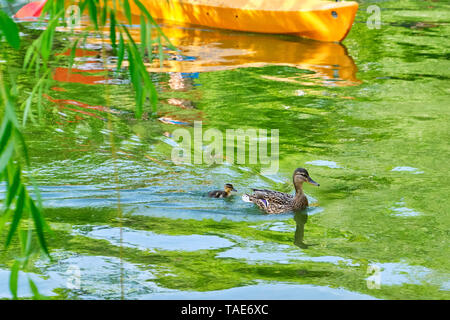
(153, 97)
(92, 6)
(150, 18)
(5, 134)
(34, 290)
(13, 188)
(104, 14)
(160, 52)
(20, 203)
(14, 278)
(143, 36)
(21, 140)
(135, 79)
(39, 225)
(112, 29)
(6, 155)
(121, 52)
(73, 51)
(127, 9)
(149, 42)
(31, 52)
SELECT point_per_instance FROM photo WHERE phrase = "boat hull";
(313, 19)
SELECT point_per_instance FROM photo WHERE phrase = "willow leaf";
(127, 9)
(20, 203)
(6, 156)
(121, 52)
(13, 279)
(6, 134)
(143, 36)
(104, 14)
(39, 225)
(149, 42)
(160, 52)
(92, 7)
(9, 30)
(13, 188)
(34, 290)
(150, 18)
(112, 29)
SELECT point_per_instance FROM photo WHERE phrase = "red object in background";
(79, 75)
(30, 10)
(80, 53)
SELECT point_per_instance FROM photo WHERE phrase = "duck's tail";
(246, 198)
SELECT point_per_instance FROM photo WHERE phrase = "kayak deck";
(314, 19)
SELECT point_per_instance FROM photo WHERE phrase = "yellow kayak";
(313, 19)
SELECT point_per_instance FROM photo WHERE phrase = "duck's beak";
(312, 182)
(234, 190)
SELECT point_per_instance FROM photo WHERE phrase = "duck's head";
(301, 176)
(229, 187)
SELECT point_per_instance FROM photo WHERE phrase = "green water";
(368, 119)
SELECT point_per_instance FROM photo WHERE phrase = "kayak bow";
(313, 19)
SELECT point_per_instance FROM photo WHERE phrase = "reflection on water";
(204, 50)
(269, 291)
(300, 219)
(147, 240)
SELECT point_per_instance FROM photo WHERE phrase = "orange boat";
(313, 19)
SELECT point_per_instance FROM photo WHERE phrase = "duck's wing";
(273, 196)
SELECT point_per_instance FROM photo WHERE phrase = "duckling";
(222, 194)
(280, 202)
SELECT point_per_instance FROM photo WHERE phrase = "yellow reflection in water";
(205, 50)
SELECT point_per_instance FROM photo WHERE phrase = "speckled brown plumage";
(218, 194)
(222, 193)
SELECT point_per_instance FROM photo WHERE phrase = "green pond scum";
(368, 118)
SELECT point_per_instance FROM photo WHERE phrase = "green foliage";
(19, 205)
(18, 200)
(9, 30)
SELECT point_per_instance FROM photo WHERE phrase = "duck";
(275, 202)
(228, 188)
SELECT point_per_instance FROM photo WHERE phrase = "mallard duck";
(222, 193)
(279, 202)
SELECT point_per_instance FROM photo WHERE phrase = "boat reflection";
(90, 70)
(203, 50)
